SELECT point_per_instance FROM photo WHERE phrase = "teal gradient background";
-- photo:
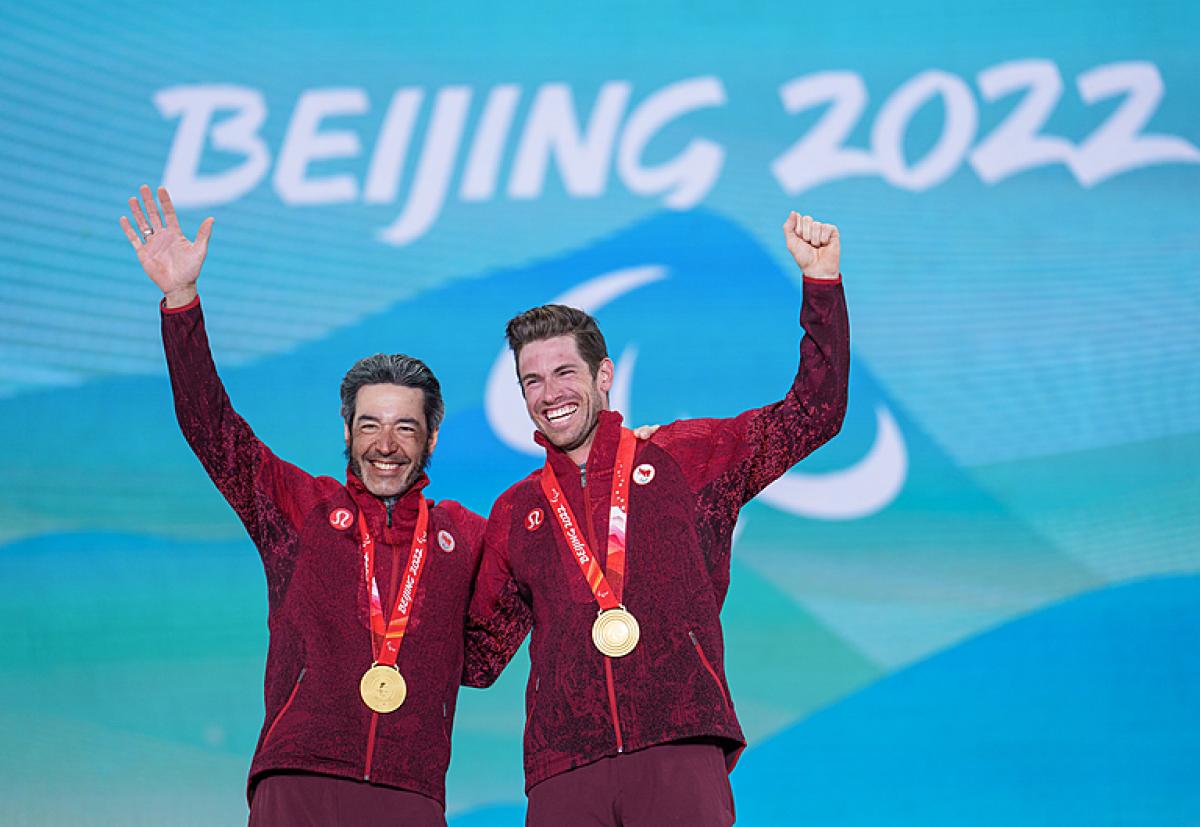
(1002, 632)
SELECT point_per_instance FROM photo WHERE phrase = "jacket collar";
(601, 455)
(403, 512)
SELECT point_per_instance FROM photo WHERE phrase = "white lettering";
(552, 129)
(1016, 144)
(428, 191)
(410, 582)
(226, 120)
(578, 548)
(195, 107)
(406, 596)
(1117, 145)
(304, 143)
(887, 136)
(820, 155)
(483, 164)
(391, 147)
(687, 177)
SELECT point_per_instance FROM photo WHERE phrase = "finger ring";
(146, 233)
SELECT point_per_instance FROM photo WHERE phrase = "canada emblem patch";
(446, 540)
(643, 474)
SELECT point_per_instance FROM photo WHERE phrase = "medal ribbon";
(607, 589)
(391, 634)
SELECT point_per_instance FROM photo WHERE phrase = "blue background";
(979, 604)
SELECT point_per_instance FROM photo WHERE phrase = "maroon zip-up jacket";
(320, 638)
(689, 482)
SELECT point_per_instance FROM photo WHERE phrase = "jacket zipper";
(608, 670)
(391, 594)
(533, 705)
(612, 703)
(286, 704)
(708, 666)
(370, 746)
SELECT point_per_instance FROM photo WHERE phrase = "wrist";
(180, 296)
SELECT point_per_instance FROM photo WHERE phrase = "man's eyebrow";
(369, 418)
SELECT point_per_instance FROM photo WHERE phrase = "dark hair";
(396, 369)
(552, 320)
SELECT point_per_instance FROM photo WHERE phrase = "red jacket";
(580, 705)
(320, 638)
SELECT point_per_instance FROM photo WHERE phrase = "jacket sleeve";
(734, 459)
(260, 487)
(499, 616)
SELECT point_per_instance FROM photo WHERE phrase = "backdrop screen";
(978, 604)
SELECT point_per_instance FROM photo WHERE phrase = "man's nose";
(387, 443)
(553, 390)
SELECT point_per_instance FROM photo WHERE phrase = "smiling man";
(387, 410)
(368, 581)
(616, 553)
(564, 378)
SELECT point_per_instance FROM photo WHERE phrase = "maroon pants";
(680, 784)
(307, 800)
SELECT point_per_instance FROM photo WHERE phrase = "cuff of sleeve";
(811, 280)
(168, 311)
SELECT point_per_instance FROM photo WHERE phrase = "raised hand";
(169, 259)
(816, 247)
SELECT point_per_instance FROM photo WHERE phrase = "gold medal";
(383, 688)
(615, 632)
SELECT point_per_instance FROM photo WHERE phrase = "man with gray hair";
(368, 581)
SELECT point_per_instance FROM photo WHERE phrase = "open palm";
(169, 259)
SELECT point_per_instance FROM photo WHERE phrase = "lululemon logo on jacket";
(446, 541)
(534, 519)
(643, 473)
(341, 518)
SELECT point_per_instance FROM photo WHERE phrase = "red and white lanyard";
(606, 586)
(387, 637)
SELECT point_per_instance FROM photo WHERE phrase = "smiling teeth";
(385, 466)
(561, 413)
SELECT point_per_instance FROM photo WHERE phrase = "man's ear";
(346, 431)
(604, 375)
(432, 442)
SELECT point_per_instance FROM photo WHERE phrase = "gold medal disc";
(615, 632)
(383, 688)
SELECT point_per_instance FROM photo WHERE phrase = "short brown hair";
(552, 320)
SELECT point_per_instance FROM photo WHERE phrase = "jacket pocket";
(709, 668)
(283, 709)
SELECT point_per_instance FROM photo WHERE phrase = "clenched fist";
(816, 247)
